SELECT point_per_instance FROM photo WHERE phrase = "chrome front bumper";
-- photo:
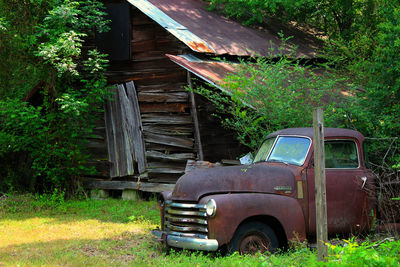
(186, 242)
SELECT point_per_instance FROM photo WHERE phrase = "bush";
(51, 135)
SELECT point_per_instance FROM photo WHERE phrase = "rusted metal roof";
(209, 70)
(174, 27)
(209, 32)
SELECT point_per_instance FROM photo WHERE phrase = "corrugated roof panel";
(226, 36)
(178, 30)
(211, 71)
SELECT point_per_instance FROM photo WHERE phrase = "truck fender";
(233, 209)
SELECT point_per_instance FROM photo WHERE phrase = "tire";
(252, 237)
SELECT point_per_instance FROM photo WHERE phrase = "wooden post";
(195, 118)
(320, 185)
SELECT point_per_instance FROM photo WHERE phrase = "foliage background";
(42, 45)
(47, 43)
(362, 57)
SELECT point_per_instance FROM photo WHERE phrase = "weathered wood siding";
(165, 113)
(124, 132)
(164, 105)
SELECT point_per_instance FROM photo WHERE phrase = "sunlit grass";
(118, 233)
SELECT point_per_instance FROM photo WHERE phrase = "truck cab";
(271, 202)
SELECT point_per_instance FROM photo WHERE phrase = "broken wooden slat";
(110, 133)
(169, 140)
(119, 139)
(172, 157)
(162, 97)
(137, 127)
(127, 122)
(164, 108)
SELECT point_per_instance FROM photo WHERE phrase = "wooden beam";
(195, 119)
(180, 157)
(320, 185)
(122, 185)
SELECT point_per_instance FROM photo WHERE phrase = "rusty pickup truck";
(267, 204)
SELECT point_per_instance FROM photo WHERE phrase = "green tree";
(43, 41)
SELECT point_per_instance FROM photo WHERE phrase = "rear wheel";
(252, 237)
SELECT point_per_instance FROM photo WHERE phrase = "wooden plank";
(143, 32)
(119, 136)
(197, 137)
(166, 170)
(164, 108)
(122, 185)
(166, 119)
(171, 157)
(137, 128)
(163, 87)
(150, 64)
(320, 185)
(119, 164)
(110, 137)
(169, 140)
(179, 130)
(167, 149)
(163, 97)
(156, 187)
(147, 78)
(142, 46)
(127, 122)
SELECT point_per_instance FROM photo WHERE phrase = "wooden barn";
(154, 125)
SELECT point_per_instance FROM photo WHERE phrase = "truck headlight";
(211, 208)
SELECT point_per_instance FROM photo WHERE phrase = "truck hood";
(255, 178)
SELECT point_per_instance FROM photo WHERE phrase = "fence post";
(320, 184)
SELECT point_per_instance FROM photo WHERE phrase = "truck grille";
(185, 219)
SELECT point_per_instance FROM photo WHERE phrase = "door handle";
(364, 179)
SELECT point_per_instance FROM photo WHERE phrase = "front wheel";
(252, 237)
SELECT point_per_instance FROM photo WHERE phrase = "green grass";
(48, 231)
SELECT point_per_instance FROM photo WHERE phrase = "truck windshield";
(287, 149)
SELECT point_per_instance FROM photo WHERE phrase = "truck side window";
(341, 154)
(264, 150)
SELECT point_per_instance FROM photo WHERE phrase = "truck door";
(346, 190)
